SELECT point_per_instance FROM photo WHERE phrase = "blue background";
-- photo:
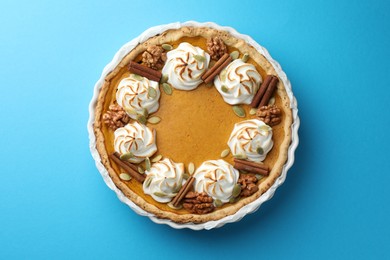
(335, 201)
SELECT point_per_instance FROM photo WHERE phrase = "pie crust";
(196, 36)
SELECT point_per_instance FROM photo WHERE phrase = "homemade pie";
(193, 124)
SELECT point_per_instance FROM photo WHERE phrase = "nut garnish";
(141, 119)
(154, 57)
(236, 190)
(216, 47)
(164, 78)
(271, 115)
(198, 203)
(248, 184)
(115, 117)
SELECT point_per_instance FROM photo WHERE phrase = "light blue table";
(335, 202)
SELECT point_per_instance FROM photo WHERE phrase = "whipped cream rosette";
(217, 178)
(251, 139)
(137, 139)
(164, 180)
(185, 66)
(132, 95)
(238, 82)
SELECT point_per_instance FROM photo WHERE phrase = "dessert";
(193, 124)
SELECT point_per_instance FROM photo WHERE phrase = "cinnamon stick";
(216, 65)
(253, 164)
(183, 191)
(144, 71)
(260, 93)
(129, 169)
(135, 168)
(268, 93)
(251, 167)
(218, 70)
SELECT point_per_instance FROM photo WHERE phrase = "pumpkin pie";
(192, 124)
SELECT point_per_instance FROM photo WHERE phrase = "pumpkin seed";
(199, 58)
(164, 78)
(186, 176)
(131, 111)
(126, 156)
(152, 92)
(167, 88)
(239, 111)
(224, 89)
(233, 200)
(147, 164)
(138, 77)
(145, 112)
(167, 46)
(148, 181)
(154, 120)
(191, 168)
(225, 153)
(253, 111)
(218, 203)
(125, 176)
(141, 119)
(245, 57)
(236, 190)
(271, 101)
(223, 74)
(259, 177)
(234, 55)
(240, 156)
(260, 150)
(141, 170)
(156, 158)
(170, 204)
(160, 194)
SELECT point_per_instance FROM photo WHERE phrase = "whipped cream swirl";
(251, 139)
(217, 178)
(137, 139)
(238, 82)
(185, 66)
(164, 180)
(132, 93)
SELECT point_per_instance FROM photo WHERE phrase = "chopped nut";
(216, 47)
(248, 184)
(154, 57)
(115, 117)
(198, 203)
(271, 115)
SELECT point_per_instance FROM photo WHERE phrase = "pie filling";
(194, 124)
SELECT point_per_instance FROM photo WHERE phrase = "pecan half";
(248, 184)
(216, 47)
(271, 115)
(115, 117)
(154, 57)
(198, 203)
